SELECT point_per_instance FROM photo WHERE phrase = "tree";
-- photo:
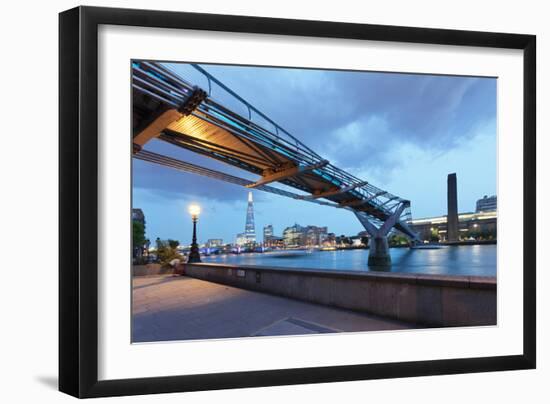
(397, 240)
(173, 243)
(434, 235)
(167, 251)
(346, 240)
(138, 238)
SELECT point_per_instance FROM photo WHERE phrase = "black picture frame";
(78, 196)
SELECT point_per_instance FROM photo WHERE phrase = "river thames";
(478, 260)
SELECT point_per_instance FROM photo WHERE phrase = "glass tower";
(250, 229)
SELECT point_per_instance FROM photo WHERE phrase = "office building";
(487, 204)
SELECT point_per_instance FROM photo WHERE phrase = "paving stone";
(167, 308)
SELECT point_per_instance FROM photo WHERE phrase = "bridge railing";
(163, 83)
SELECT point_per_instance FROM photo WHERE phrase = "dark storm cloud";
(382, 109)
(356, 119)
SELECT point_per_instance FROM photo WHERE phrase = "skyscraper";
(250, 229)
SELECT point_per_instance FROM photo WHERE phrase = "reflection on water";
(450, 260)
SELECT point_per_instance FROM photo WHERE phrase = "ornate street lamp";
(194, 256)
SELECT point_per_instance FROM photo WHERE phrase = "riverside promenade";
(169, 308)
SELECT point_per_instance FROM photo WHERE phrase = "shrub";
(167, 251)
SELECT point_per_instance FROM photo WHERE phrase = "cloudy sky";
(402, 132)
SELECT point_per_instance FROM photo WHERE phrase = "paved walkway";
(170, 307)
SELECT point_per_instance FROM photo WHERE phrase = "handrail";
(250, 106)
(168, 87)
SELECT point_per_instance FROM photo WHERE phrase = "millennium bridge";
(169, 108)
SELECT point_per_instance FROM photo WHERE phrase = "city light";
(194, 210)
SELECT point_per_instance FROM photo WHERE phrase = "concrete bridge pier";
(379, 250)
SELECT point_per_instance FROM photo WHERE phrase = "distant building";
(301, 236)
(241, 240)
(250, 228)
(248, 238)
(486, 204)
(274, 242)
(479, 224)
(214, 242)
(315, 236)
(294, 236)
(270, 239)
(268, 232)
(138, 216)
(330, 241)
(454, 227)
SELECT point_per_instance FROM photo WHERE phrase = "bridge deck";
(167, 107)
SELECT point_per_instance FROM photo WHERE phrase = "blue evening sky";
(401, 132)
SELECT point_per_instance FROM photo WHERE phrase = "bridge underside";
(170, 109)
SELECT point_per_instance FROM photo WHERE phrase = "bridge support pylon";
(379, 250)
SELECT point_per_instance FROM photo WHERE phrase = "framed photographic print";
(251, 201)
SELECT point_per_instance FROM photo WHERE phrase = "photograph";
(272, 201)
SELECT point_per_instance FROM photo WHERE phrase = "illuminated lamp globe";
(194, 210)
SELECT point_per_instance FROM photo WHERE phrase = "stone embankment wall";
(431, 300)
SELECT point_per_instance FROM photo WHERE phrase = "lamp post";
(146, 246)
(194, 256)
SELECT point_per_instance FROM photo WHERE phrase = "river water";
(477, 260)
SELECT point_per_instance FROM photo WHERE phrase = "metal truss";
(159, 159)
(270, 140)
